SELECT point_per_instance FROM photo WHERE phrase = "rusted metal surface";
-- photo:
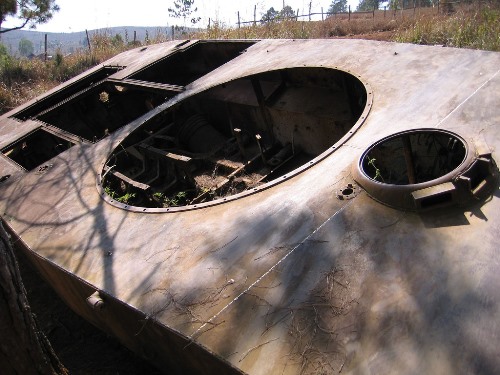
(321, 267)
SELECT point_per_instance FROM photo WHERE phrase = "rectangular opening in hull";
(101, 110)
(187, 65)
(51, 100)
(36, 148)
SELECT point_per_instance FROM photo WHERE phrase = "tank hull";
(310, 271)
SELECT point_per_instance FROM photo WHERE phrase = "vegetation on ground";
(467, 28)
(475, 25)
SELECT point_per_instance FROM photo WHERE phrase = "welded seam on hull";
(192, 336)
(466, 99)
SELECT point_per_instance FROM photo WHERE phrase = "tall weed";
(479, 29)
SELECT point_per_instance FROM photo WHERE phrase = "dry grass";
(472, 26)
(23, 79)
(477, 28)
(290, 29)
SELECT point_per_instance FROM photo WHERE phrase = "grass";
(478, 29)
(291, 29)
(476, 25)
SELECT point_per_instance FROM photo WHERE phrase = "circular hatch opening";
(424, 169)
(414, 157)
(234, 139)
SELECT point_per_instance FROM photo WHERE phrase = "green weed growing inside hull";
(377, 176)
(179, 199)
(126, 198)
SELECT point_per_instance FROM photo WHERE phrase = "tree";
(287, 13)
(26, 47)
(367, 5)
(184, 9)
(24, 348)
(29, 12)
(270, 16)
(7, 8)
(337, 6)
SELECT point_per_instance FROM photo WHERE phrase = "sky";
(97, 14)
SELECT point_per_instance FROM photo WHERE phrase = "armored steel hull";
(273, 206)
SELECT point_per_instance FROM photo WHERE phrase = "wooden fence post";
(173, 31)
(88, 42)
(45, 55)
(385, 9)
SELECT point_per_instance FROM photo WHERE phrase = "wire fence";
(402, 9)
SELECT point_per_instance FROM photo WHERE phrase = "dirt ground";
(81, 347)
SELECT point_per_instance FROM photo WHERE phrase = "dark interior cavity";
(35, 149)
(71, 90)
(188, 64)
(414, 157)
(234, 137)
(101, 110)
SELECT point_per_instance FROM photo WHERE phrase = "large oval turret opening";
(238, 137)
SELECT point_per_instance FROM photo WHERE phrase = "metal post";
(261, 148)
(297, 14)
(322, 19)
(209, 23)
(257, 88)
(349, 12)
(310, 5)
(385, 9)
(239, 20)
(135, 36)
(239, 141)
(255, 15)
(410, 166)
(173, 31)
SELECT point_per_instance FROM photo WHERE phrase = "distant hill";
(70, 42)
